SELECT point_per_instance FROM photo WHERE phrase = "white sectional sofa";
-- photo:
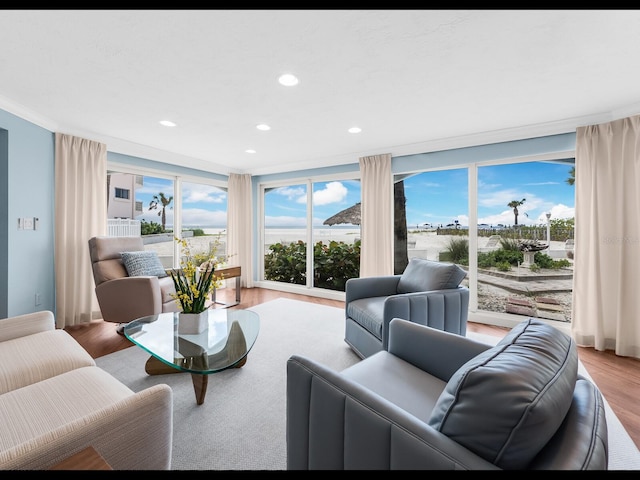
(55, 402)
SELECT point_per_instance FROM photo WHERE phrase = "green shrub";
(334, 263)
(503, 266)
(545, 261)
(150, 228)
(458, 250)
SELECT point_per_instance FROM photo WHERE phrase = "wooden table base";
(200, 382)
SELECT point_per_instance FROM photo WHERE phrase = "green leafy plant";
(458, 250)
(333, 265)
(149, 228)
(503, 266)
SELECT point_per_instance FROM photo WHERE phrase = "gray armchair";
(427, 292)
(437, 400)
(123, 298)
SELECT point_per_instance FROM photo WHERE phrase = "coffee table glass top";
(224, 344)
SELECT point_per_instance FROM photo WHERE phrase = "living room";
(27, 149)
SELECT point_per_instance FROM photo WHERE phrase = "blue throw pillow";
(507, 402)
(143, 263)
(423, 275)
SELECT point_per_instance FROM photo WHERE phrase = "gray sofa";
(437, 400)
(427, 292)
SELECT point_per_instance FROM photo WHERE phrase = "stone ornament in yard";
(529, 249)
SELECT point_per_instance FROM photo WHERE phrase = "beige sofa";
(55, 401)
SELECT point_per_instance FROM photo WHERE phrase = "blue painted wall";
(27, 255)
(27, 181)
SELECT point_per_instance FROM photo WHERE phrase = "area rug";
(241, 424)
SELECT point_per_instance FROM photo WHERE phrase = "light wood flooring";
(617, 377)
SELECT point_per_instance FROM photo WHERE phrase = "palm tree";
(515, 204)
(161, 199)
(572, 176)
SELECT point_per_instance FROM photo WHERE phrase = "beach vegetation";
(333, 263)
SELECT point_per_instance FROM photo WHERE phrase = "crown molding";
(126, 147)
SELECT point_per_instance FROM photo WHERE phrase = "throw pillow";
(506, 403)
(143, 263)
(423, 275)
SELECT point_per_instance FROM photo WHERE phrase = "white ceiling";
(413, 80)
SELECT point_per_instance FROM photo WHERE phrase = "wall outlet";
(38, 299)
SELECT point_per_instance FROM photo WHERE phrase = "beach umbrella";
(348, 215)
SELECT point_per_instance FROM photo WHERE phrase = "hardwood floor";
(617, 377)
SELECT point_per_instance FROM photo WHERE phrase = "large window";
(310, 233)
(510, 225)
(525, 237)
(162, 206)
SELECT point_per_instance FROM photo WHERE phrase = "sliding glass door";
(509, 225)
(310, 233)
(525, 239)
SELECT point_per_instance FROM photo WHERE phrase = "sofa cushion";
(143, 263)
(506, 403)
(422, 275)
(33, 358)
(37, 409)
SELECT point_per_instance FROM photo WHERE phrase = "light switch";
(27, 223)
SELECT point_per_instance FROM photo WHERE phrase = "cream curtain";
(606, 310)
(376, 229)
(239, 218)
(80, 213)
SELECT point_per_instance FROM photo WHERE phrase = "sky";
(433, 198)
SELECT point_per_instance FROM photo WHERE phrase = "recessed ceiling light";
(264, 127)
(288, 80)
(355, 130)
(167, 123)
(250, 151)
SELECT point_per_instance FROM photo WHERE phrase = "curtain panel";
(80, 213)
(376, 229)
(239, 217)
(607, 237)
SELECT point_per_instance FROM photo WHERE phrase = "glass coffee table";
(224, 344)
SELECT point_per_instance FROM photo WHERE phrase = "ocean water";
(292, 234)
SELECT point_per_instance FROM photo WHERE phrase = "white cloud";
(333, 192)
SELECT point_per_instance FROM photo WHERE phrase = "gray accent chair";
(123, 298)
(437, 400)
(427, 292)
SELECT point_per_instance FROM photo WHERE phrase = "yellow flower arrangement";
(193, 282)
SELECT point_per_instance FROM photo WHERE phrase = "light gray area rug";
(241, 425)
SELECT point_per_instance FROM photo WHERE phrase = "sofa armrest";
(446, 310)
(135, 433)
(356, 288)
(435, 351)
(128, 298)
(335, 423)
(27, 324)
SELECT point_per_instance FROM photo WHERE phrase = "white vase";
(193, 323)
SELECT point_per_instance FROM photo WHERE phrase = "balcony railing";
(123, 227)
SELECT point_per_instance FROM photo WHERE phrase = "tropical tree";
(572, 176)
(156, 201)
(515, 204)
